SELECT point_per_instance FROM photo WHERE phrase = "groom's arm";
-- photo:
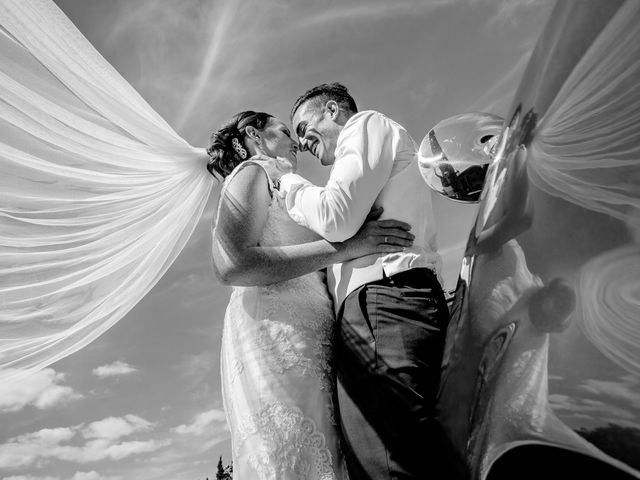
(364, 158)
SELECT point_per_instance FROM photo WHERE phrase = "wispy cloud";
(189, 443)
(625, 389)
(588, 408)
(25, 449)
(370, 11)
(222, 20)
(42, 389)
(29, 477)
(114, 369)
(200, 423)
(422, 96)
(510, 11)
(113, 428)
(102, 441)
(93, 475)
(601, 401)
(496, 98)
(197, 365)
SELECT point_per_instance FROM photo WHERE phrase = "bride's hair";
(227, 147)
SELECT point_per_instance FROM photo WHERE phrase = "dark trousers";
(388, 358)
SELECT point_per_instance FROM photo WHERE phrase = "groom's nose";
(303, 145)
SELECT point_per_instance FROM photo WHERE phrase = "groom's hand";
(379, 237)
(374, 213)
(275, 167)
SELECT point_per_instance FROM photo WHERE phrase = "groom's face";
(317, 132)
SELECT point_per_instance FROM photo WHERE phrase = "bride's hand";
(275, 167)
(379, 236)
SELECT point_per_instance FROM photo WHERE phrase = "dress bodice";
(280, 229)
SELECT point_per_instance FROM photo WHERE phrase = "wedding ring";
(385, 239)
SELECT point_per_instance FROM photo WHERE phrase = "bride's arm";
(242, 214)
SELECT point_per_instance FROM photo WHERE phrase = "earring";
(235, 143)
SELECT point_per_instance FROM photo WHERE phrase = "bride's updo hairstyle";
(227, 147)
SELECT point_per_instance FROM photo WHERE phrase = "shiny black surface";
(523, 378)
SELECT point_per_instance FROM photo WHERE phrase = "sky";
(143, 401)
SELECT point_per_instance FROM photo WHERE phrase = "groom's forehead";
(303, 115)
(301, 119)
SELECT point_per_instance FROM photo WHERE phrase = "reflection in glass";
(542, 358)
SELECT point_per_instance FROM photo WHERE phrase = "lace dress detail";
(294, 444)
(276, 371)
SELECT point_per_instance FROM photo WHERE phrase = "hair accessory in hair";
(235, 143)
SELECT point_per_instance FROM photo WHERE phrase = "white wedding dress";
(276, 370)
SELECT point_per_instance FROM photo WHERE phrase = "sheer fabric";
(587, 151)
(98, 194)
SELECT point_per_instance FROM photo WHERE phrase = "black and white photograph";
(319, 239)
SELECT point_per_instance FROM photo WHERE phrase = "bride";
(277, 340)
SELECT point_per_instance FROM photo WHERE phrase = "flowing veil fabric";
(98, 194)
(587, 145)
(587, 151)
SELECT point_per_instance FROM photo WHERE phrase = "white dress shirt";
(376, 164)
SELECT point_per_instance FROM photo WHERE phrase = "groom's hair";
(318, 96)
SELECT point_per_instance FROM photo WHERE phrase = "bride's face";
(277, 141)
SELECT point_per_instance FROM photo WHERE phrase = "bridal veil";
(98, 194)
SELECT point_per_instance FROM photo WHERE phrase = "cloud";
(112, 428)
(101, 442)
(573, 407)
(92, 475)
(25, 449)
(423, 95)
(29, 477)
(201, 422)
(114, 369)
(198, 364)
(625, 389)
(223, 22)
(96, 450)
(371, 11)
(40, 389)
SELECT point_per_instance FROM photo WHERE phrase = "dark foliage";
(224, 472)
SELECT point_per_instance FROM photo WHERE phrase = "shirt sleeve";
(364, 159)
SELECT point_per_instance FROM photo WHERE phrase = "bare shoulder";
(243, 208)
(250, 182)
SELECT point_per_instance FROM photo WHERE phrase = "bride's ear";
(253, 134)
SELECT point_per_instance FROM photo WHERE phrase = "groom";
(390, 308)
